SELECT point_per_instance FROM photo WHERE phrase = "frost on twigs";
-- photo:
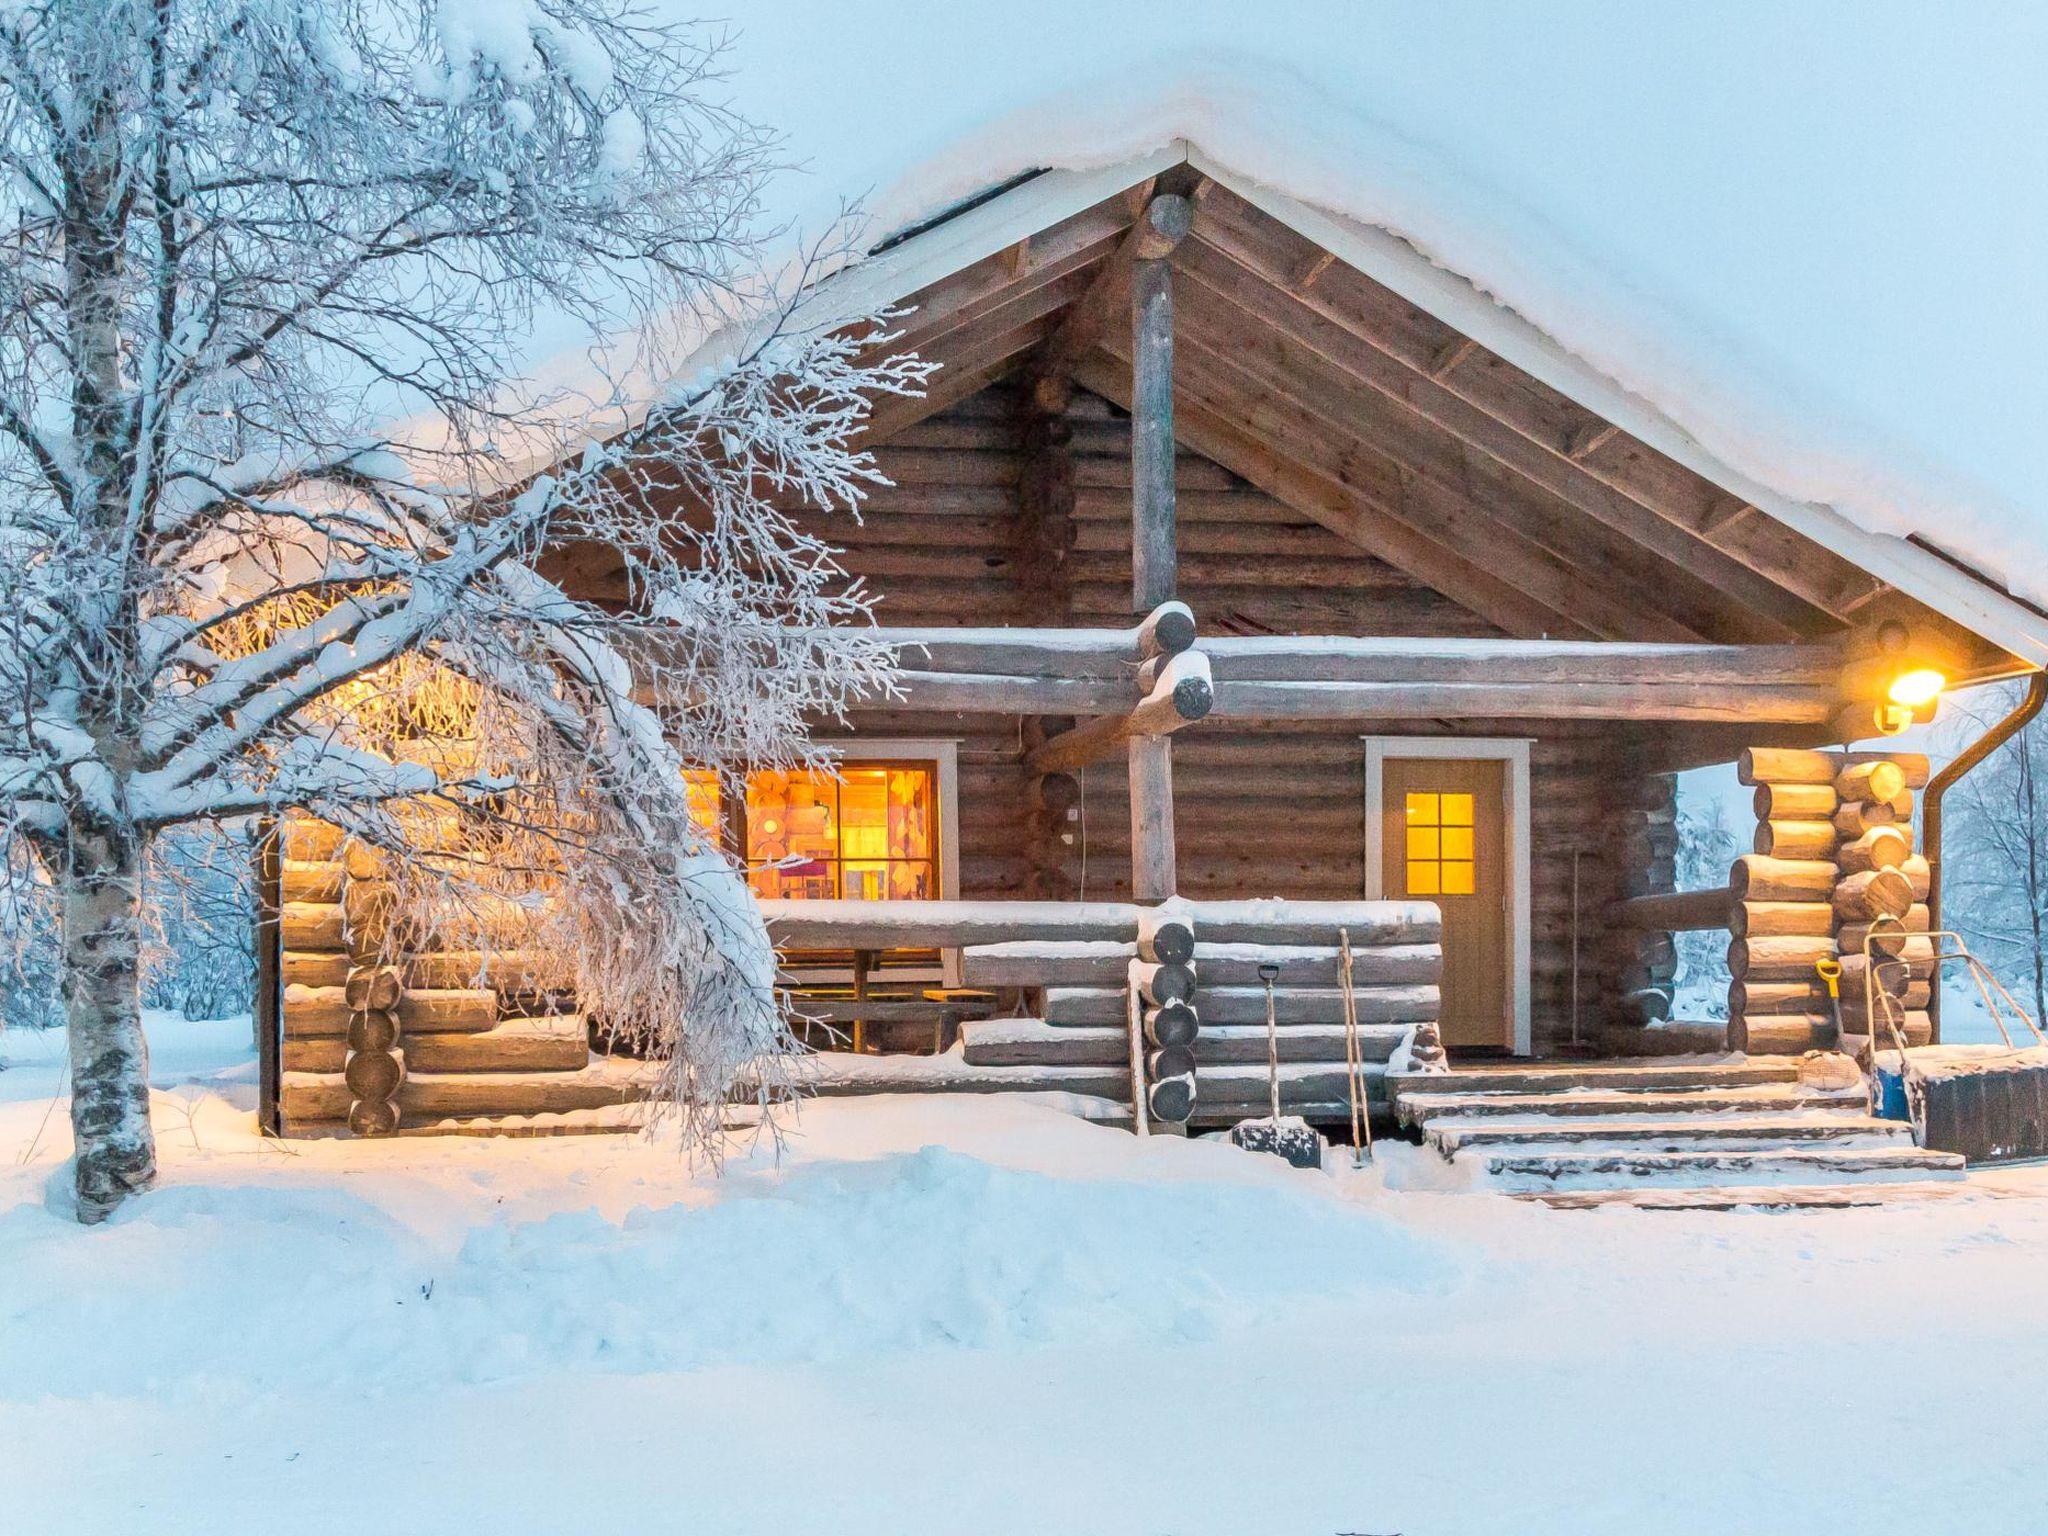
(247, 237)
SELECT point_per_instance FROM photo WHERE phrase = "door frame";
(1513, 751)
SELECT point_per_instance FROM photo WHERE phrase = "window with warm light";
(868, 833)
(1440, 856)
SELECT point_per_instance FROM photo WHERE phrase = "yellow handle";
(1831, 973)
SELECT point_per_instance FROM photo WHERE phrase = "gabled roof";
(1334, 365)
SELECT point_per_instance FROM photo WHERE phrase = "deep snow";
(962, 1314)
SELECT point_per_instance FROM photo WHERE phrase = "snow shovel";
(1829, 1037)
(1290, 1138)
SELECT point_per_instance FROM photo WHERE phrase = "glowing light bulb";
(1916, 687)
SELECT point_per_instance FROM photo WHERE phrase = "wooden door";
(1443, 838)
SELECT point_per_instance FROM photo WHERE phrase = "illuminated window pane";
(864, 835)
(700, 785)
(1440, 844)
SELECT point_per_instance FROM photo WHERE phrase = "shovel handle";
(1830, 973)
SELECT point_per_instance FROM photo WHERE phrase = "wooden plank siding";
(1259, 810)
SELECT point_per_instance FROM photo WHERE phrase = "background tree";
(245, 236)
(1707, 849)
(1994, 864)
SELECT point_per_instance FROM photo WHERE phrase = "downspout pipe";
(1930, 815)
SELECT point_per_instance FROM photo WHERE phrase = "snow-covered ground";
(954, 1314)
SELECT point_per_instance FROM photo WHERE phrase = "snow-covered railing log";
(800, 924)
(1272, 920)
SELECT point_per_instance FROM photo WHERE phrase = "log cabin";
(1265, 596)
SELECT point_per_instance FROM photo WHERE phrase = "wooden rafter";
(1729, 585)
(1339, 498)
(1106, 305)
(1243, 345)
(1315, 432)
(1538, 415)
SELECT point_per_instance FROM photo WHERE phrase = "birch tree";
(244, 238)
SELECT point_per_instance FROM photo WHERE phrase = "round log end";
(1170, 1062)
(372, 1029)
(377, 1117)
(374, 1074)
(1172, 1098)
(1174, 1024)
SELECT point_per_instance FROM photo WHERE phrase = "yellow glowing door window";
(866, 834)
(1440, 856)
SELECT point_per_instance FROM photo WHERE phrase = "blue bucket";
(1889, 1093)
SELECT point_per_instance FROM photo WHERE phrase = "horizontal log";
(1860, 816)
(1777, 959)
(1674, 911)
(1539, 663)
(1872, 894)
(801, 924)
(1772, 1034)
(1879, 848)
(301, 969)
(1914, 765)
(970, 693)
(325, 1011)
(313, 926)
(1067, 963)
(1877, 779)
(1766, 997)
(1221, 1005)
(1782, 919)
(1108, 655)
(1786, 765)
(1795, 802)
(1248, 700)
(1850, 936)
(318, 880)
(1795, 839)
(1276, 920)
(507, 970)
(308, 841)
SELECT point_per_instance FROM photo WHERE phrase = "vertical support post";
(1153, 564)
(1154, 576)
(1153, 875)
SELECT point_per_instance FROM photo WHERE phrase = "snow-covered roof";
(1795, 248)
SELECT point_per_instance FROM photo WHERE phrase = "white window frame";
(1512, 750)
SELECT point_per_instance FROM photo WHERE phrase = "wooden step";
(1424, 1108)
(1802, 1165)
(1244, 1088)
(1572, 1076)
(1762, 1197)
(1676, 1133)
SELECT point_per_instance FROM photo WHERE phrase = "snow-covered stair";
(1735, 1133)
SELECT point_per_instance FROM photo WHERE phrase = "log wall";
(1259, 810)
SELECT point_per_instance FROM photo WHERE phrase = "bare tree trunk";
(2030, 810)
(102, 887)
